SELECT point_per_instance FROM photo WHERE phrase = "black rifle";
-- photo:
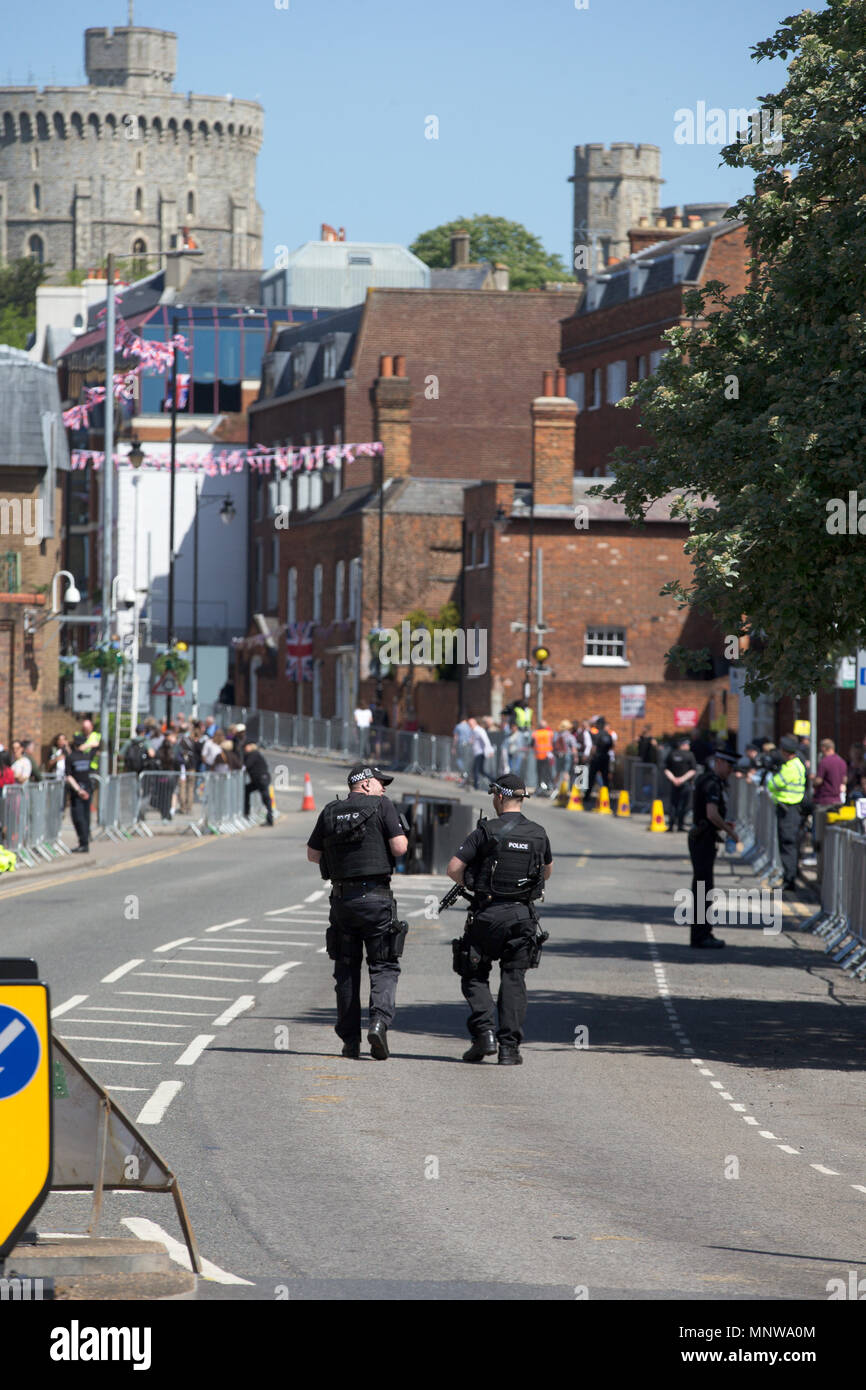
(458, 891)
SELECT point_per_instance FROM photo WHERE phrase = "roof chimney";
(400, 366)
(392, 407)
(386, 365)
(501, 276)
(547, 384)
(328, 233)
(553, 431)
(695, 220)
(460, 248)
(560, 382)
(342, 234)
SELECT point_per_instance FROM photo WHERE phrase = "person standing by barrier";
(461, 746)
(542, 747)
(599, 763)
(80, 791)
(504, 863)
(565, 751)
(57, 758)
(786, 788)
(356, 842)
(680, 771)
(708, 819)
(258, 772)
(482, 749)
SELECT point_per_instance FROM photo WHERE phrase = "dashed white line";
(153, 1109)
(767, 1134)
(857, 1187)
(278, 972)
(819, 1168)
(314, 897)
(786, 1149)
(196, 1048)
(148, 1230)
(138, 1042)
(275, 911)
(238, 950)
(246, 1001)
(158, 994)
(170, 975)
(221, 926)
(120, 971)
(117, 1009)
(117, 1061)
(70, 1004)
(170, 945)
(126, 1088)
(128, 1023)
(750, 1120)
(740, 1108)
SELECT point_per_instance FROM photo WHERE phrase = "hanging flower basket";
(174, 662)
(108, 659)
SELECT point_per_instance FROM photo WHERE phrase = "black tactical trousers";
(702, 849)
(79, 810)
(364, 918)
(264, 790)
(511, 1000)
(679, 805)
(788, 821)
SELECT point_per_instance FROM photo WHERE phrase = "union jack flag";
(299, 651)
(182, 392)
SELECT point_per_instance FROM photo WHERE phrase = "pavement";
(687, 1124)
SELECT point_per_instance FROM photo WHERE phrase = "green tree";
(19, 282)
(494, 239)
(757, 411)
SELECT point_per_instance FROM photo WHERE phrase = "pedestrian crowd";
(484, 746)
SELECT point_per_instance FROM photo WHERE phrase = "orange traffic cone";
(623, 807)
(563, 793)
(657, 819)
(603, 807)
(575, 801)
(308, 804)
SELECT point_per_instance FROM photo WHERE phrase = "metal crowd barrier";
(30, 818)
(841, 920)
(644, 783)
(754, 813)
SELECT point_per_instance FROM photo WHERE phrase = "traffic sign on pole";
(167, 684)
(25, 1106)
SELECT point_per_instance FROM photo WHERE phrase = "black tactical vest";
(353, 845)
(509, 866)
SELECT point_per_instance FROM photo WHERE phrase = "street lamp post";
(107, 508)
(170, 623)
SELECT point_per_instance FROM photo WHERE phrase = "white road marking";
(269, 941)
(196, 1048)
(153, 1109)
(275, 911)
(170, 945)
(67, 1235)
(170, 975)
(321, 951)
(705, 1071)
(237, 922)
(750, 1120)
(126, 1088)
(121, 970)
(857, 1187)
(70, 1004)
(734, 1106)
(129, 1023)
(278, 972)
(266, 936)
(819, 1168)
(767, 1134)
(313, 897)
(117, 1062)
(238, 950)
(786, 1149)
(726, 1095)
(180, 1013)
(156, 994)
(148, 1230)
(246, 1001)
(717, 1085)
(138, 1042)
(309, 917)
(226, 964)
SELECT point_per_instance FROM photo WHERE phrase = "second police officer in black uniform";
(708, 818)
(355, 842)
(80, 790)
(504, 863)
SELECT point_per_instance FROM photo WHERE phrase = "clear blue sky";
(346, 86)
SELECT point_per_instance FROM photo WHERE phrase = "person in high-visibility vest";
(787, 787)
(542, 743)
(522, 715)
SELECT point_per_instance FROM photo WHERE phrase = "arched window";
(36, 249)
(139, 251)
(111, 125)
(190, 168)
(59, 125)
(41, 125)
(139, 200)
(339, 587)
(77, 124)
(78, 322)
(26, 128)
(93, 125)
(190, 204)
(139, 163)
(37, 197)
(292, 597)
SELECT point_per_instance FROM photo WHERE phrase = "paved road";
(705, 1143)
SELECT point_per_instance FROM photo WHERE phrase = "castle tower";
(613, 189)
(123, 164)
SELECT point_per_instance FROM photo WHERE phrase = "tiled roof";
(657, 267)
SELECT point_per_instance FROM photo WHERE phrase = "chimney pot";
(386, 365)
(643, 221)
(400, 366)
(547, 384)
(695, 220)
(560, 381)
(460, 248)
(661, 222)
(676, 221)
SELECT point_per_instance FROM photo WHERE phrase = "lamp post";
(227, 515)
(129, 600)
(107, 508)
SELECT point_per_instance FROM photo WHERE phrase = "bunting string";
(259, 459)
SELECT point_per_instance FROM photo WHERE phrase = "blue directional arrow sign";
(20, 1051)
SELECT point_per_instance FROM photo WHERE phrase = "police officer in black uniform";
(80, 789)
(256, 768)
(356, 842)
(504, 862)
(708, 818)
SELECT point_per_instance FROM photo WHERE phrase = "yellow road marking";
(80, 876)
(330, 1100)
(631, 1238)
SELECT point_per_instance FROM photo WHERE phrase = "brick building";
(448, 410)
(34, 460)
(615, 336)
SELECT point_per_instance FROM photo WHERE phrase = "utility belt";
(484, 941)
(353, 887)
(383, 947)
(704, 829)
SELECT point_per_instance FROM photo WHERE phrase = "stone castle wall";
(613, 189)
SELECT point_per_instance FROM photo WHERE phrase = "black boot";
(509, 1055)
(483, 1045)
(377, 1037)
(352, 1049)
